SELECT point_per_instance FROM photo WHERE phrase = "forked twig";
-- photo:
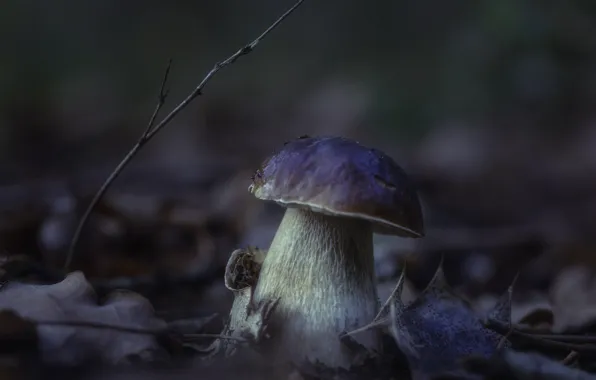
(505, 338)
(151, 131)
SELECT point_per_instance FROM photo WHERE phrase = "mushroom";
(320, 264)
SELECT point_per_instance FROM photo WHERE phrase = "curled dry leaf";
(385, 288)
(533, 311)
(74, 300)
(539, 319)
(439, 329)
(573, 296)
(248, 320)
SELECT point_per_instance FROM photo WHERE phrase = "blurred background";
(488, 105)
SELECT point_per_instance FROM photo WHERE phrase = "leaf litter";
(437, 335)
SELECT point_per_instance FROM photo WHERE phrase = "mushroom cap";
(340, 177)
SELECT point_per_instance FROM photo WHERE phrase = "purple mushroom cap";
(340, 177)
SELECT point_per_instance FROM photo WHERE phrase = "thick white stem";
(322, 269)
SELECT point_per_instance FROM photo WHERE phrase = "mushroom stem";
(321, 268)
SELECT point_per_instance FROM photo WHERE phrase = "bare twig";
(380, 322)
(102, 326)
(129, 329)
(218, 336)
(542, 340)
(583, 339)
(570, 358)
(504, 339)
(150, 132)
(568, 338)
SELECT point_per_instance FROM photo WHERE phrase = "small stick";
(570, 358)
(128, 329)
(582, 339)
(504, 339)
(151, 131)
(541, 340)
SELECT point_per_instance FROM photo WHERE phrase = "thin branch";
(220, 65)
(542, 340)
(129, 329)
(151, 132)
(217, 336)
(505, 339)
(584, 339)
(163, 93)
(570, 358)
(102, 326)
(568, 338)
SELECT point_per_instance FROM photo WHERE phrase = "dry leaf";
(73, 299)
(573, 296)
(532, 311)
(438, 330)
(539, 319)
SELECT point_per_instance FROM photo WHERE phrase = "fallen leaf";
(573, 297)
(439, 329)
(530, 311)
(74, 300)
